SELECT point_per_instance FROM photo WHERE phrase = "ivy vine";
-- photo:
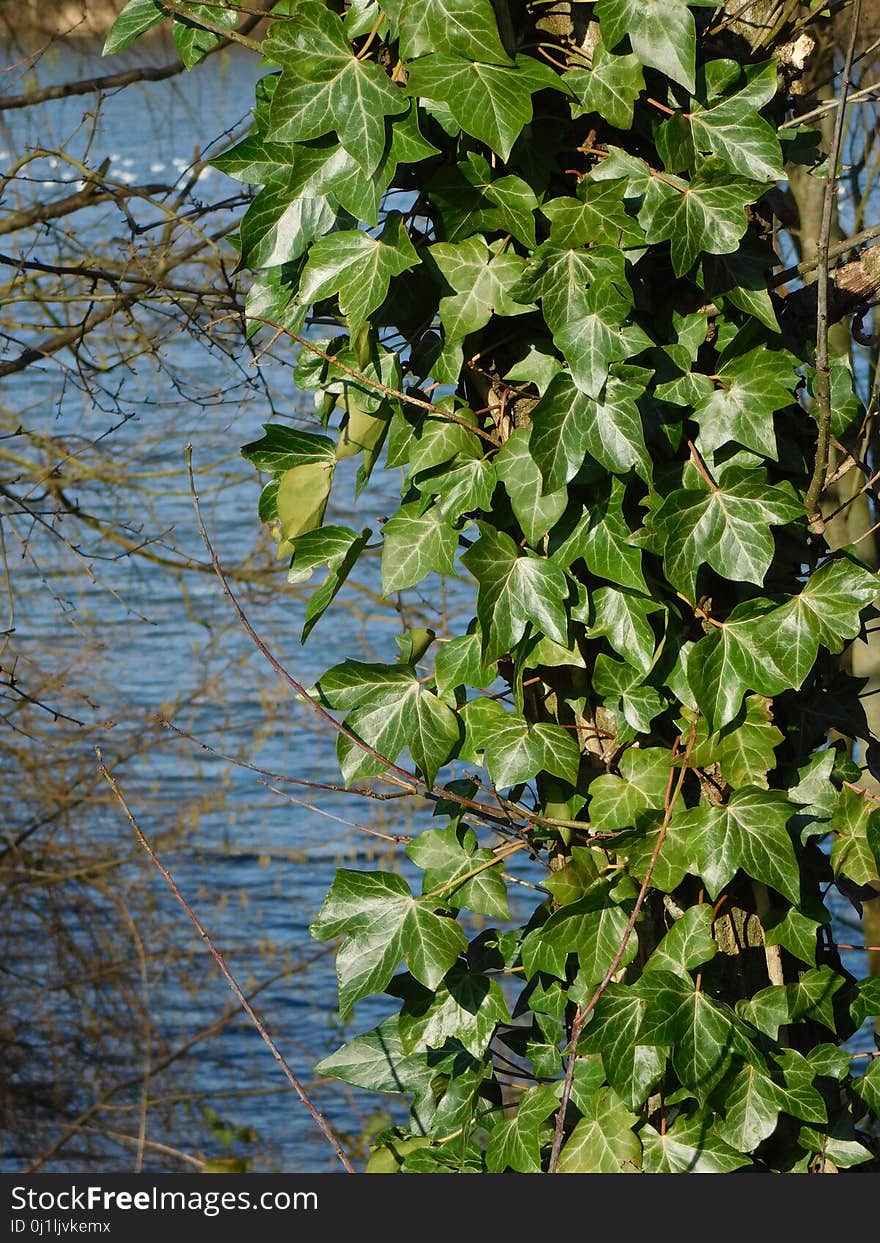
(540, 240)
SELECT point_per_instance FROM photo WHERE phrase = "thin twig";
(673, 790)
(319, 1119)
(103, 1101)
(823, 368)
(834, 252)
(369, 382)
(857, 97)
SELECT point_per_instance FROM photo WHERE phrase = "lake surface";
(121, 639)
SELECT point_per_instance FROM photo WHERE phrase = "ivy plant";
(524, 252)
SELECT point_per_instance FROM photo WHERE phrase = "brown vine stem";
(207, 23)
(701, 465)
(673, 789)
(320, 1121)
(823, 368)
(369, 382)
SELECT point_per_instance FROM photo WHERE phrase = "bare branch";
(320, 1121)
(823, 368)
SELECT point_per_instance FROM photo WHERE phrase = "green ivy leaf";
(465, 28)
(602, 537)
(482, 278)
(567, 425)
(193, 42)
(459, 663)
(744, 750)
(592, 928)
(536, 511)
(618, 802)
(514, 591)
(661, 32)
(591, 343)
(357, 268)
(435, 735)
(377, 1061)
(706, 215)
(448, 854)
(794, 931)
(603, 1142)
(855, 846)
(689, 1147)
(733, 130)
(703, 1033)
(282, 449)
(727, 527)
(751, 387)
(414, 544)
(386, 729)
(489, 102)
(572, 881)
(560, 275)
(688, 943)
(336, 547)
(597, 215)
(466, 1007)
(811, 996)
(622, 616)
(516, 1144)
(752, 1106)
(382, 924)
(353, 683)
(465, 487)
(609, 87)
(839, 1145)
(749, 833)
(517, 751)
(325, 88)
(867, 1087)
(633, 1069)
(137, 17)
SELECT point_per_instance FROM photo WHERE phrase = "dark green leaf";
(489, 102)
(633, 1069)
(383, 923)
(749, 833)
(688, 943)
(727, 526)
(706, 215)
(357, 268)
(465, 28)
(466, 1007)
(661, 33)
(609, 87)
(324, 88)
(513, 592)
(535, 510)
(702, 1032)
